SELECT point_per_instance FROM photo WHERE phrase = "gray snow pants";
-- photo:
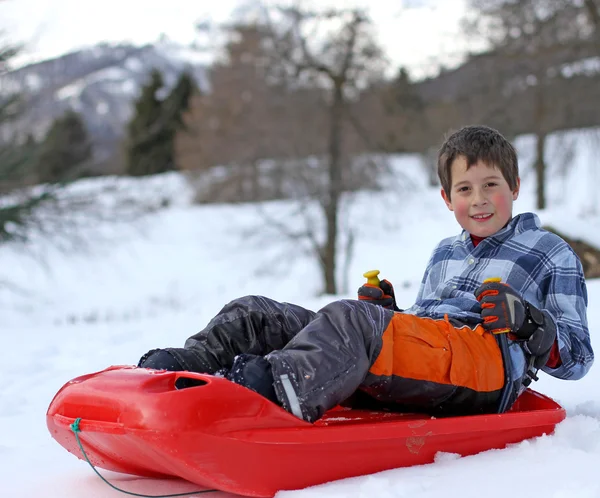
(318, 359)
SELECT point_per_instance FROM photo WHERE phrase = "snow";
(184, 54)
(588, 66)
(129, 87)
(70, 91)
(10, 85)
(134, 64)
(102, 107)
(74, 90)
(108, 74)
(157, 281)
(33, 82)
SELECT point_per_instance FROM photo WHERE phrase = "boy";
(468, 345)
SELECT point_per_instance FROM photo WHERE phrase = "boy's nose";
(479, 198)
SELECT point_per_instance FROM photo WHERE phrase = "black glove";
(504, 311)
(382, 295)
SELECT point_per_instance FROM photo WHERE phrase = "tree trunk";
(593, 12)
(256, 194)
(334, 187)
(540, 169)
(540, 145)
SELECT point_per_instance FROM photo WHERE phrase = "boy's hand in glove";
(382, 295)
(504, 311)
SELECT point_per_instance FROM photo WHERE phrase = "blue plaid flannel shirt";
(541, 266)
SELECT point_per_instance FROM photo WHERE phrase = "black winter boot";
(160, 359)
(173, 359)
(253, 372)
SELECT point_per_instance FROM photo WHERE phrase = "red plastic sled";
(224, 436)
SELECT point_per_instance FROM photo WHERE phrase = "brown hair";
(478, 143)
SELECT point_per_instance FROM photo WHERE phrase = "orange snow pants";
(426, 362)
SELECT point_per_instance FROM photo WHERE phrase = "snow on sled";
(220, 435)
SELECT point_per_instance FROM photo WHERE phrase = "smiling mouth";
(481, 217)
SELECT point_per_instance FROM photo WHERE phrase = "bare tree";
(534, 46)
(239, 122)
(280, 102)
(334, 50)
(593, 10)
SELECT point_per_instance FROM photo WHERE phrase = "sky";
(153, 283)
(416, 34)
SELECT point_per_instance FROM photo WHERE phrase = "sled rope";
(76, 430)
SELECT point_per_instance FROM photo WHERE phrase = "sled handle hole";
(187, 382)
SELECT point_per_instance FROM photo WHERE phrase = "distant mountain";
(100, 83)
(503, 91)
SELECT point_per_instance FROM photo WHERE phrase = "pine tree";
(144, 152)
(151, 132)
(66, 150)
(14, 159)
(178, 101)
(404, 94)
(16, 163)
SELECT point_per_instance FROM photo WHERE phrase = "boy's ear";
(447, 200)
(516, 190)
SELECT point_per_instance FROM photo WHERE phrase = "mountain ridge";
(100, 83)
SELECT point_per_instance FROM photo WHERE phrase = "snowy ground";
(156, 283)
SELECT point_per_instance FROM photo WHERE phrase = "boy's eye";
(463, 189)
(491, 184)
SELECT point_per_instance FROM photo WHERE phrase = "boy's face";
(480, 197)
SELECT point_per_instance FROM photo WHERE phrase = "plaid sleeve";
(427, 284)
(566, 300)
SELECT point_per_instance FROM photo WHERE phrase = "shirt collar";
(518, 224)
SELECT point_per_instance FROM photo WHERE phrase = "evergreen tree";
(404, 95)
(178, 101)
(151, 132)
(16, 163)
(13, 158)
(145, 153)
(65, 151)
